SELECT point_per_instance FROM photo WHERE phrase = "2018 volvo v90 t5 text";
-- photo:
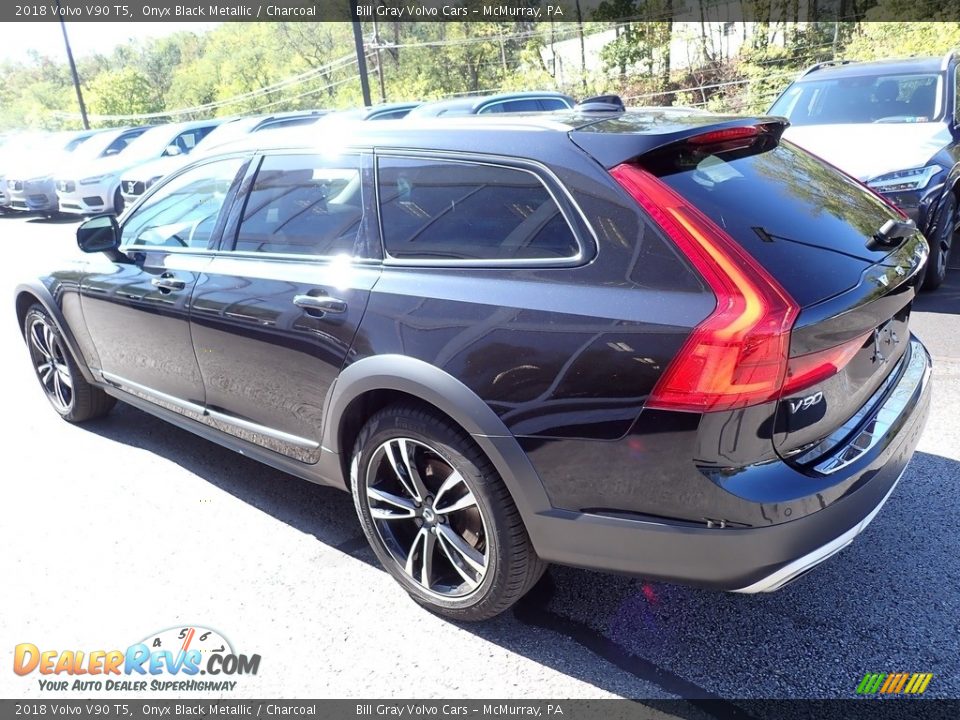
(652, 342)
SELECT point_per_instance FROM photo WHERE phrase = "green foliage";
(879, 40)
(125, 91)
(240, 68)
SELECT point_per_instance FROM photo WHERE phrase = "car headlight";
(94, 179)
(913, 179)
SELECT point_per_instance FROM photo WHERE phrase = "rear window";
(788, 208)
(901, 98)
(451, 210)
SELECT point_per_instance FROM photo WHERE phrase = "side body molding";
(428, 383)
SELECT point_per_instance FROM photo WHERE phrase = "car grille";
(131, 187)
(66, 186)
(39, 199)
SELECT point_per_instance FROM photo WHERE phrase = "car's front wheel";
(118, 202)
(941, 241)
(69, 393)
(438, 516)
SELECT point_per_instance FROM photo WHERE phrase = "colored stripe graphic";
(894, 683)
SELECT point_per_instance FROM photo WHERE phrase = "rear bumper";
(756, 559)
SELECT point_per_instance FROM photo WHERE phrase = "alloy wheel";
(427, 517)
(50, 364)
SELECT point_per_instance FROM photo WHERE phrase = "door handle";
(168, 282)
(323, 303)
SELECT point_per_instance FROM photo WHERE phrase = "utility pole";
(73, 70)
(377, 44)
(361, 58)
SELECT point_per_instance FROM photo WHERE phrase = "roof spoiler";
(601, 103)
(627, 137)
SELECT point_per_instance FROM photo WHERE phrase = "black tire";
(74, 399)
(118, 202)
(941, 241)
(488, 521)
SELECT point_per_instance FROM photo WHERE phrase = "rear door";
(136, 309)
(275, 312)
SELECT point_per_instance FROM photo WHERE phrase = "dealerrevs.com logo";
(172, 659)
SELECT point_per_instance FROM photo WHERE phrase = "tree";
(122, 92)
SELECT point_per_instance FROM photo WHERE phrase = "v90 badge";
(804, 403)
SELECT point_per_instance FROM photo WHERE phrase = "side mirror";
(172, 150)
(99, 234)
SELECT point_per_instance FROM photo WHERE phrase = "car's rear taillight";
(738, 355)
(804, 371)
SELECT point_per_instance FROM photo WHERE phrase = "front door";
(275, 313)
(137, 309)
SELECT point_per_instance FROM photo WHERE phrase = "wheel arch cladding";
(28, 295)
(374, 382)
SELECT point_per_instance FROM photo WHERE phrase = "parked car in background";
(139, 178)
(17, 147)
(135, 180)
(895, 125)
(383, 111)
(652, 342)
(534, 101)
(29, 178)
(90, 186)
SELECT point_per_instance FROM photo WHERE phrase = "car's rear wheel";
(69, 393)
(438, 516)
(941, 241)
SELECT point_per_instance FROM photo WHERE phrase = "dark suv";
(656, 342)
(895, 124)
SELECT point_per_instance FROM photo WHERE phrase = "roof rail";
(945, 64)
(825, 63)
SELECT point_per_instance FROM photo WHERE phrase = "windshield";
(890, 98)
(231, 130)
(149, 145)
(102, 142)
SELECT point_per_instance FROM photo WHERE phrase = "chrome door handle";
(323, 303)
(168, 282)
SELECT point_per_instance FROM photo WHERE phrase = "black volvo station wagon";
(652, 342)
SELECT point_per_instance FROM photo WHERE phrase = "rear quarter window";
(453, 210)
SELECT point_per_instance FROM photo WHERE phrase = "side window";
(303, 205)
(186, 141)
(511, 106)
(553, 104)
(183, 212)
(438, 209)
(121, 142)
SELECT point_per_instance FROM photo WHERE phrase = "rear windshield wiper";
(893, 232)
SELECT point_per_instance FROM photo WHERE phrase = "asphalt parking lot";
(123, 527)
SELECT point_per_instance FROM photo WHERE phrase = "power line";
(339, 63)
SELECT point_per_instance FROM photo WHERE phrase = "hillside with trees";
(239, 68)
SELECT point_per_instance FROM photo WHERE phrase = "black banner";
(692, 11)
(859, 709)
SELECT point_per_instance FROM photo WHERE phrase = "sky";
(86, 38)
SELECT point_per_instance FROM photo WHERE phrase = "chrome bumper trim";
(784, 575)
